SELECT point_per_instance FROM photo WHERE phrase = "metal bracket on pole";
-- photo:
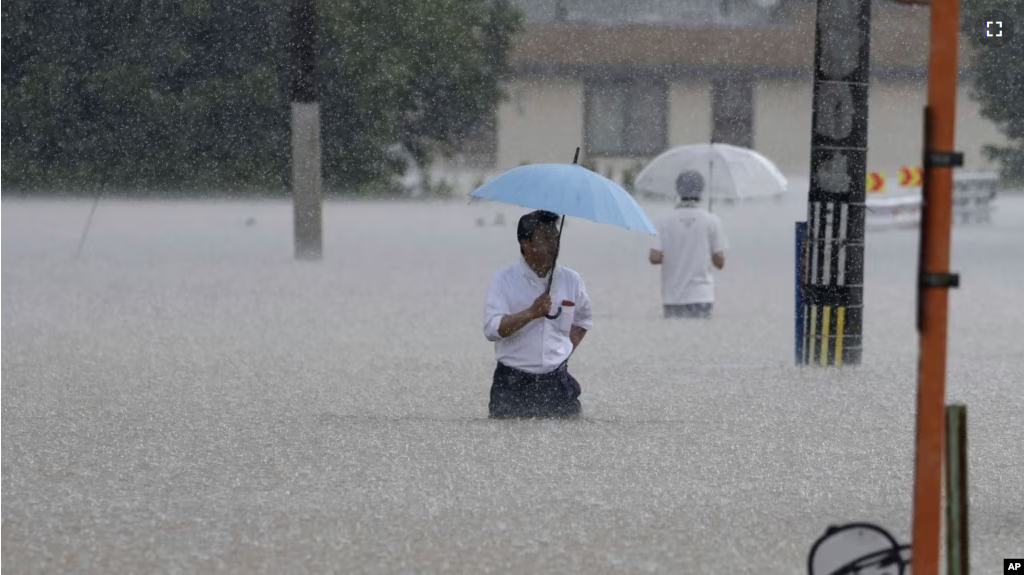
(940, 280)
(932, 159)
(943, 159)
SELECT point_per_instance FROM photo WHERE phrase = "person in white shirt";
(533, 338)
(688, 244)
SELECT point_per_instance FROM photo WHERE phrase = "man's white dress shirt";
(687, 238)
(543, 344)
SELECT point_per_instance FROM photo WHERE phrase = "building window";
(626, 118)
(732, 112)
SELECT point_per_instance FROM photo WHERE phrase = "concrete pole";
(307, 191)
(833, 286)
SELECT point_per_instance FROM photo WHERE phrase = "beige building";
(627, 80)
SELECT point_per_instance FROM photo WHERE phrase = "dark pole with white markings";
(833, 281)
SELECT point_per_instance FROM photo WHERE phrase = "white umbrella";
(730, 172)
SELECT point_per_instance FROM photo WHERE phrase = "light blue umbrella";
(567, 190)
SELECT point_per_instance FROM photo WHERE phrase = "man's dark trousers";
(516, 393)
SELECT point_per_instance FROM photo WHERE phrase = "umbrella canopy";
(567, 190)
(730, 172)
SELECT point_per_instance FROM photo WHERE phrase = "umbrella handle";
(711, 173)
(557, 249)
(554, 261)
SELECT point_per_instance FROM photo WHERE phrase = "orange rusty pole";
(934, 281)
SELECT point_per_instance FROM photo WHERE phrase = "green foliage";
(998, 82)
(192, 94)
(438, 187)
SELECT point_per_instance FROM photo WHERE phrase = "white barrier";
(893, 212)
(973, 195)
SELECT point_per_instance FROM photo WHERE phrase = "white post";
(307, 191)
(306, 180)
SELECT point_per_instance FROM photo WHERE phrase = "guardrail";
(973, 195)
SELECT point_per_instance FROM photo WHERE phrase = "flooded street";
(185, 397)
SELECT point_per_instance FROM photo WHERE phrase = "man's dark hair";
(690, 185)
(532, 222)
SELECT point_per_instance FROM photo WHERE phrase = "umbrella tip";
(577, 156)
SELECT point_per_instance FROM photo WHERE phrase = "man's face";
(542, 245)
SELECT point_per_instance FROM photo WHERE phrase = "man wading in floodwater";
(532, 378)
(689, 243)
